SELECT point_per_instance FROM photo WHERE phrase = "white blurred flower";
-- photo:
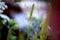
(4, 17)
(6, 6)
(1, 11)
(2, 6)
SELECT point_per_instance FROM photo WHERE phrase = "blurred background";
(23, 7)
(20, 11)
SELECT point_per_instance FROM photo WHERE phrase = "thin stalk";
(39, 22)
(28, 32)
(27, 36)
(9, 34)
(35, 36)
(31, 12)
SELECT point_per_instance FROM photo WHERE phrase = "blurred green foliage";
(45, 0)
(17, 0)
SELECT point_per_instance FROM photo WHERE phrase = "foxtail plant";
(30, 19)
(31, 13)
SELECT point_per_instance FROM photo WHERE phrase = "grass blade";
(45, 25)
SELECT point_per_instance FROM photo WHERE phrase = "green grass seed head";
(31, 12)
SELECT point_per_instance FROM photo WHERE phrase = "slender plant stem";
(9, 34)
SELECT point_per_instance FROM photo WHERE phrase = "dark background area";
(55, 20)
